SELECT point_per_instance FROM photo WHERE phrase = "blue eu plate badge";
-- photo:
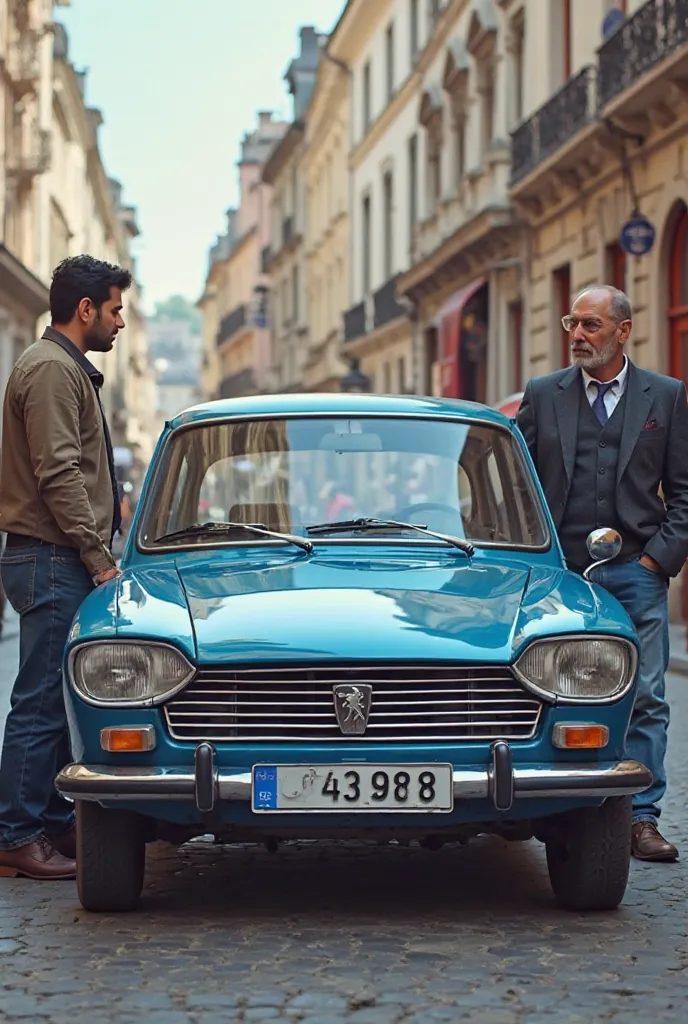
(265, 787)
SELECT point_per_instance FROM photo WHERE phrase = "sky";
(178, 83)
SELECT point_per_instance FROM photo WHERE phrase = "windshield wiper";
(199, 528)
(351, 525)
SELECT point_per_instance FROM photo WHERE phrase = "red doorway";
(678, 331)
(678, 299)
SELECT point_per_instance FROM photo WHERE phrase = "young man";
(59, 506)
(605, 436)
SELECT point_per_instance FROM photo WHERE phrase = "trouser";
(45, 585)
(644, 595)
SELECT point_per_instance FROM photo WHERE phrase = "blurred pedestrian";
(605, 435)
(59, 506)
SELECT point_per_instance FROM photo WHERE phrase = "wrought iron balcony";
(238, 384)
(554, 124)
(355, 322)
(386, 306)
(231, 324)
(652, 34)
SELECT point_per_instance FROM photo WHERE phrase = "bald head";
(599, 326)
(618, 304)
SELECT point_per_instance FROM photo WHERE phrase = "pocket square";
(650, 425)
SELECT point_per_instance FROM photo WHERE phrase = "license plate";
(297, 788)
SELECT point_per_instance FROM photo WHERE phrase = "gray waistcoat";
(591, 501)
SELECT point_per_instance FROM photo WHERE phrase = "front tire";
(110, 857)
(589, 855)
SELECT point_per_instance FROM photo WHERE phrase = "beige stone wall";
(326, 242)
(579, 232)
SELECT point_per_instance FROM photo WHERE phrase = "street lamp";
(355, 380)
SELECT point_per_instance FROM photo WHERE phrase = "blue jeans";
(644, 595)
(45, 585)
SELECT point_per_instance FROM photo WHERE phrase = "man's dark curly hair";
(83, 277)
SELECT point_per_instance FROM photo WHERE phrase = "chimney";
(309, 40)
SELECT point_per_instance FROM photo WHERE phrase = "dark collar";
(50, 334)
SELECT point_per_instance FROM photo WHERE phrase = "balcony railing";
(287, 230)
(655, 31)
(238, 384)
(231, 324)
(386, 306)
(554, 124)
(355, 322)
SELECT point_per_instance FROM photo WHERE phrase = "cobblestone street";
(334, 934)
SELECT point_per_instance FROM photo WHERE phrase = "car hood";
(321, 611)
(343, 608)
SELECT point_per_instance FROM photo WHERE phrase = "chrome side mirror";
(603, 546)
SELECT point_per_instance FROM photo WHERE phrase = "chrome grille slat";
(435, 703)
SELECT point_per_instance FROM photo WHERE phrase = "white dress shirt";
(614, 393)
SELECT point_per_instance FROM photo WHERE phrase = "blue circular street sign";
(613, 20)
(637, 236)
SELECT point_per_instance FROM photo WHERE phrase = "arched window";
(678, 297)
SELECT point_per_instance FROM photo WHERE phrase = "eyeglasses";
(569, 323)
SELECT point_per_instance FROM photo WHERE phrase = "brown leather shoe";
(647, 843)
(65, 844)
(39, 861)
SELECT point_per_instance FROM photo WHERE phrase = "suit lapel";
(638, 405)
(566, 407)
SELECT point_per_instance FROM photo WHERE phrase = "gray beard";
(601, 358)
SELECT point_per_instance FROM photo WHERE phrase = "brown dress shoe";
(65, 844)
(39, 861)
(647, 843)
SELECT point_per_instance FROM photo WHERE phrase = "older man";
(605, 436)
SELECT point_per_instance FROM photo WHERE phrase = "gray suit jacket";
(653, 454)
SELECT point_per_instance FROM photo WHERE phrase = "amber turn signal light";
(128, 739)
(580, 736)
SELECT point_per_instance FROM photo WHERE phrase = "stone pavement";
(329, 934)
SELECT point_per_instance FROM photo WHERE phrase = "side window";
(495, 497)
(177, 517)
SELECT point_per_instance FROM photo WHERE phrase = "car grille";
(409, 704)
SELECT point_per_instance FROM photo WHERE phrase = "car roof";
(336, 403)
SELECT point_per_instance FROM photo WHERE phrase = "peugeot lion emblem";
(352, 707)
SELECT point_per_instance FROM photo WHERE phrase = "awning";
(458, 300)
(448, 323)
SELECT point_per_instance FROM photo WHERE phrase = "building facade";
(378, 332)
(609, 145)
(85, 212)
(25, 113)
(236, 294)
(327, 253)
(283, 259)
(437, 271)
(465, 280)
(56, 200)
(599, 175)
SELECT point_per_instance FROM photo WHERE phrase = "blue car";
(349, 616)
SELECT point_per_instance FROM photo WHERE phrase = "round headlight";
(585, 669)
(128, 673)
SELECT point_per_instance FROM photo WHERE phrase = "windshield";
(464, 479)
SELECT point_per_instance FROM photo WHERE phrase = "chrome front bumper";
(500, 781)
